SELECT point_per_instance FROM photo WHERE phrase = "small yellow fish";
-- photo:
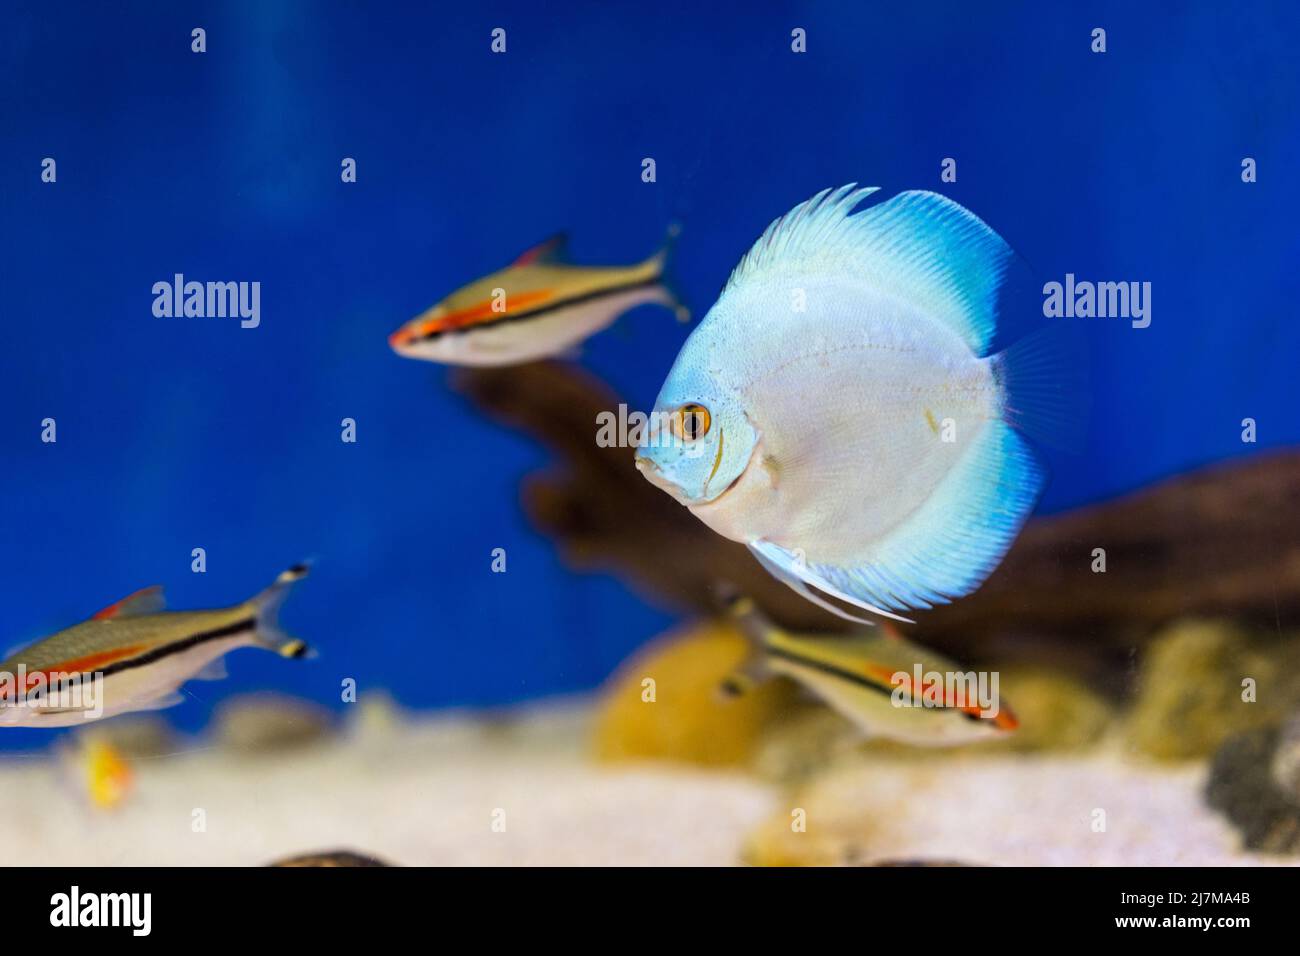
(888, 686)
(538, 306)
(133, 655)
(108, 775)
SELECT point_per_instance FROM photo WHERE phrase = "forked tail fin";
(663, 260)
(268, 604)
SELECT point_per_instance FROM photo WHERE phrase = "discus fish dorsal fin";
(148, 600)
(548, 250)
(922, 247)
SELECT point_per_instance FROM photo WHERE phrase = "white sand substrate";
(461, 791)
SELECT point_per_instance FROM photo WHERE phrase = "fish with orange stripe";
(537, 307)
(888, 686)
(136, 655)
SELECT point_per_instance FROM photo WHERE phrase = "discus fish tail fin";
(1043, 383)
(268, 604)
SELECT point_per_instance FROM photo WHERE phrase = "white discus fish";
(838, 410)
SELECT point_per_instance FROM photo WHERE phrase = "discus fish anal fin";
(548, 250)
(923, 248)
(782, 566)
(948, 546)
(148, 600)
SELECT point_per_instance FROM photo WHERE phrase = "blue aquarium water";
(175, 433)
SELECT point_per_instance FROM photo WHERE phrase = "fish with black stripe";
(143, 652)
(863, 676)
(537, 307)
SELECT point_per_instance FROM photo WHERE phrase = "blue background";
(183, 433)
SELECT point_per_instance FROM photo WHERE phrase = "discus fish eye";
(691, 422)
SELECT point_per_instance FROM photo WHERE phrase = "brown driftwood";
(1221, 541)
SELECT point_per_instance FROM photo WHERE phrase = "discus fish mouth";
(653, 474)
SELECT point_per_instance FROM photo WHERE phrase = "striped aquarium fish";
(539, 306)
(888, 686)
(133, 655)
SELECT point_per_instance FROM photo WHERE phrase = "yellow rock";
(1189, 693)
(664, 703)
